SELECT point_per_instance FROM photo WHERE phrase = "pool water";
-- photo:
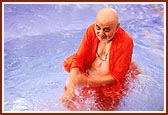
(38, 37)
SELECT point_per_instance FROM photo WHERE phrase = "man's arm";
(73, 78)
(76, 78)
(101, 80)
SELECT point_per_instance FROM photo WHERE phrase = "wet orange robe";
(119, 59)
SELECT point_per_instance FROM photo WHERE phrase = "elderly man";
(100, 64)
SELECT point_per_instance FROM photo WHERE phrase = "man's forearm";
(101, 80)
(73, 79)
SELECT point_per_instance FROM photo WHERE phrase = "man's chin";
(102, 39)
(105, 39)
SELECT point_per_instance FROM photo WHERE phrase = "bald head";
(107, 15)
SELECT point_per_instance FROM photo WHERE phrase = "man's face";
(105, 30)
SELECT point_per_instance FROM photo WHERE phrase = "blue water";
(38, 37)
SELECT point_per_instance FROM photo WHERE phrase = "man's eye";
(106, 29)
(97, 27)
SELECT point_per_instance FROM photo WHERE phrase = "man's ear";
(117, 27)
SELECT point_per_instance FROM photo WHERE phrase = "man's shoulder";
(125, 35)
(91, 30)
(91, 27)
(124, 32)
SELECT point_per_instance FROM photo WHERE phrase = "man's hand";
(74, 81)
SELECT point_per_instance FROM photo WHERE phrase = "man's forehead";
(105, 22)
(103, 26)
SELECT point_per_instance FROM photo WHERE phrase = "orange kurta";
(119, 58)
